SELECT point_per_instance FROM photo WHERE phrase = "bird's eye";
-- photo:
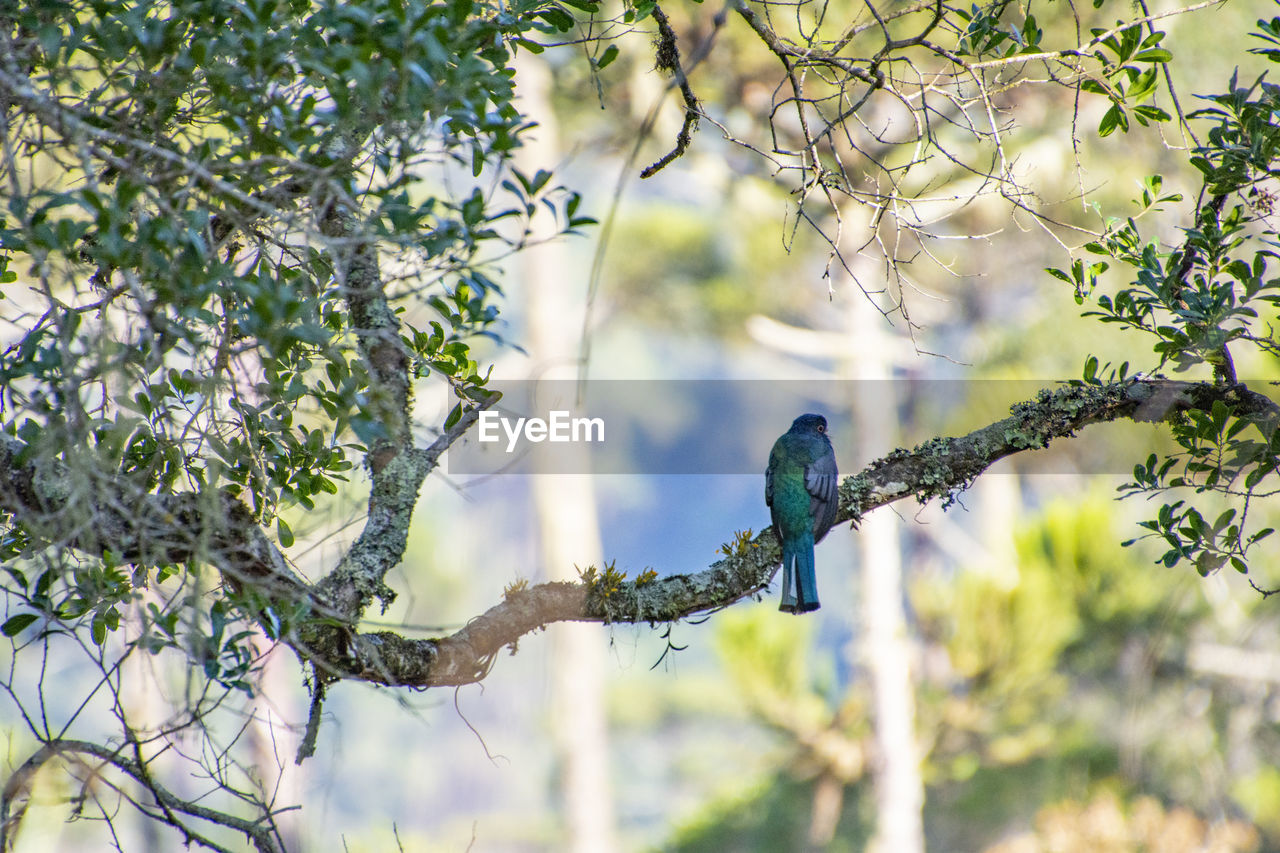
(821, 428)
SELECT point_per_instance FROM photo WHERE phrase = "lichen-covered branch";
(937, 468)
(350, 587)
(359, 577)
(175, 528)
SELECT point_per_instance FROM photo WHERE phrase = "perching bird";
(800, 489)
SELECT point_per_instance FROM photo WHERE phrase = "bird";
(800, 490)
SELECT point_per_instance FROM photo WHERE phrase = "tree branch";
(176, 528)
(358, 577)
(70, 501)
(1084, 49)
(940, 467)
(668, 59)
(259, 834)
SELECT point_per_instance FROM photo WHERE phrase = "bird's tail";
(799, 583)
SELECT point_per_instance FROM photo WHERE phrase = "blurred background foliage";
(1078, 696)
(1072, 695)
(1063, 695)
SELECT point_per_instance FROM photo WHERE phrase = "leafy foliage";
(1129, 77)
(1065, 669)
(1193, 301)
(232, 237)
(192, 324)
(238, 238)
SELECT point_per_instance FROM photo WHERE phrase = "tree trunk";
(886, 649)
(274, 743)
(566, 510)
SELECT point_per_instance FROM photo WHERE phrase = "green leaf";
(609, 55)
(1116, 117)
(14, 624)
(283, 533)
(558, 18)
(454, 416)
(1220, 413)
(1147, 112)
(1155, 54)
(1143, 87)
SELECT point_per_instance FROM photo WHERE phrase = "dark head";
(810, 423)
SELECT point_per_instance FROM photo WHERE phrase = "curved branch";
(223, 534)
(939, 467)
(395, 466)
(77, 506)
(382, 542)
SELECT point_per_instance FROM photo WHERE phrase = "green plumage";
(800, 489)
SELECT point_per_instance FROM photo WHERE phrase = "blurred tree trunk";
(885, 646)
(828, 803)
(566, 508)
(999, 502)
(147, 710)
(274, 743)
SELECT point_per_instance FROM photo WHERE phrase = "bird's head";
(810, 423)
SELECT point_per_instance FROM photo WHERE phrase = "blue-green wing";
(821, 479)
